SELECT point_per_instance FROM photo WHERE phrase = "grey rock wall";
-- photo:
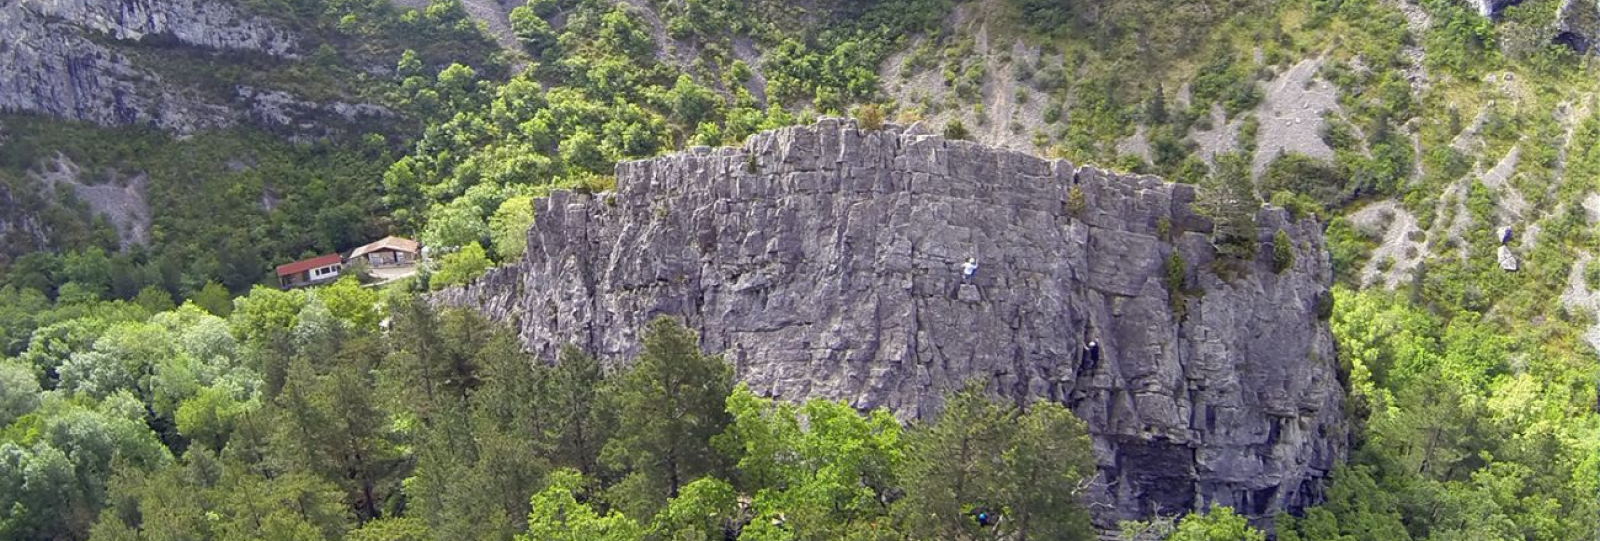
(824, 262)
(1578, 24)
(199, 23)
(1491, 8)
(70, 59)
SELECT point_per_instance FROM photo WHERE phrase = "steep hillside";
(190, 65)
(203, 140)
(152, 147)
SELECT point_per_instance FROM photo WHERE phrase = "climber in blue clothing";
(968, 269)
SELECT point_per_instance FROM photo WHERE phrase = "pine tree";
(1155, 109)
(1027, 469)
(1047, 462)
(1228, 197)
(579, 424)
(669, 405)
(953, 467)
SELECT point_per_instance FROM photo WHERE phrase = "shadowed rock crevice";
(826, 261)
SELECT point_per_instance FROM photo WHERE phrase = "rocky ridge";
(69, 59)
(824, 261)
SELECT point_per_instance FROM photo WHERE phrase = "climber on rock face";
(968, 269)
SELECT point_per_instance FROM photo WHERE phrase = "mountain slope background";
(141, 154)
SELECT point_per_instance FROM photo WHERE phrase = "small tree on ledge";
(955, 129)
(1228, 197)
(1282, 252)
(869, 117)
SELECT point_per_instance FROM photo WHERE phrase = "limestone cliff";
(77, 60)
(825, 261)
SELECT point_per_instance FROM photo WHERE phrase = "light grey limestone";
(70, 59)
(1507, 260)
(825, 261)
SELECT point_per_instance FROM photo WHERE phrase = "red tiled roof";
(390, 243)
(298, 267)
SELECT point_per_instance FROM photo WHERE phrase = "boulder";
(1507, 260)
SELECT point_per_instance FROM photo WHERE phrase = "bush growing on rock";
(1282, 252)
(460, 267)
(869, 117)
(1075, 201)
(955, 129)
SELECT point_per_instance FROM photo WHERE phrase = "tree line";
(295, 416)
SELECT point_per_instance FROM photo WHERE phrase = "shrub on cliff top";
(869, 117)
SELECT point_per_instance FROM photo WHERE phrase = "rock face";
(1490, 8)
(825, 261)
(68, 59)
(1578, 24)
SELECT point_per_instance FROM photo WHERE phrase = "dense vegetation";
(1471, 388)
(225, 206)
(293, 416)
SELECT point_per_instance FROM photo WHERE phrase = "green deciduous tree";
(558, 515)
(214, 298)
(818, 471)
(1048, 464)
(532, 31)
(508, 227)
(19, 391)
(1356, 509)
(955, 130)
(19, 312)
(460, 267)
(1282, 251)
(53, 486)
(351, 303)
(703, 511)
(208, 418)
(1220, 524)
(154, 299)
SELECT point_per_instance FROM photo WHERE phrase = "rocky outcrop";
(1491, 8)
(824, 261)
(71, 59)
(199, 23)
(119, 200)
(1578, 24)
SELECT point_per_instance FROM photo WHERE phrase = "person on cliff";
(968, 269)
